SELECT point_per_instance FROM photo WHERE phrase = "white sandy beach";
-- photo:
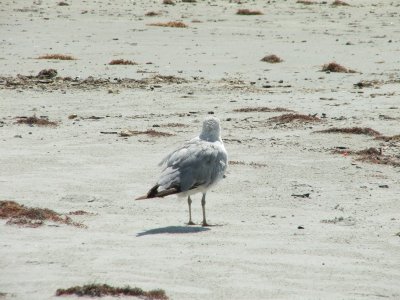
(340, 242)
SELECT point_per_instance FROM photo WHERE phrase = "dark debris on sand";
(168, 2)
(251, 164)
(352, 130)
(272, 59)
(371, 155)
(390, 138)
(100, 290)
(173, 24)
(47, 73)
(149, 132)
(306, 2)
(33, 120)
(175, 125)
(57, 57)
(152, 14)
(248, 12)
(18, 214)
(368, 83)
(336, 68)
(61, 83)
(288, 118)
(122, 62)
(340, 3)
(262, 109)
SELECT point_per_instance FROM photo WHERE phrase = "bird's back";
(195, 166)
(197, 163)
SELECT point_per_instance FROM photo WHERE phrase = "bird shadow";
(172, 230)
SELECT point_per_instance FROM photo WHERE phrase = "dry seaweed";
(307, 2)
(392, 138)
(152, 14)
(122, 62)
(149, 132)
(262, 109)
(369, 151)
(168, 2)
(175, 24)
(35, 121)
(100, 290)
(340, 3)
(368, 83)
(352, 130)
(375, 156)
(57, 56)
(47, 74)
(273, 59)
(336, 68)
(248, 12)
(371, 155)
(288, 118)
(18, 214)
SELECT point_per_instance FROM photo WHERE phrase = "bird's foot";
(191, 223)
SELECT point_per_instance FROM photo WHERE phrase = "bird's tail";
(153, 193)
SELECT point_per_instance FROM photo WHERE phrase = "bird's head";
(211, 129)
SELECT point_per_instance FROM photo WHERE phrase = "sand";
(274, 242)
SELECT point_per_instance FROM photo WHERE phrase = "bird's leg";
(190, 211)
(203, 205)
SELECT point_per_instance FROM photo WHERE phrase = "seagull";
(194, 167)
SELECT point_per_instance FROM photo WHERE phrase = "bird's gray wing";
(176, 154)
(196, 163)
